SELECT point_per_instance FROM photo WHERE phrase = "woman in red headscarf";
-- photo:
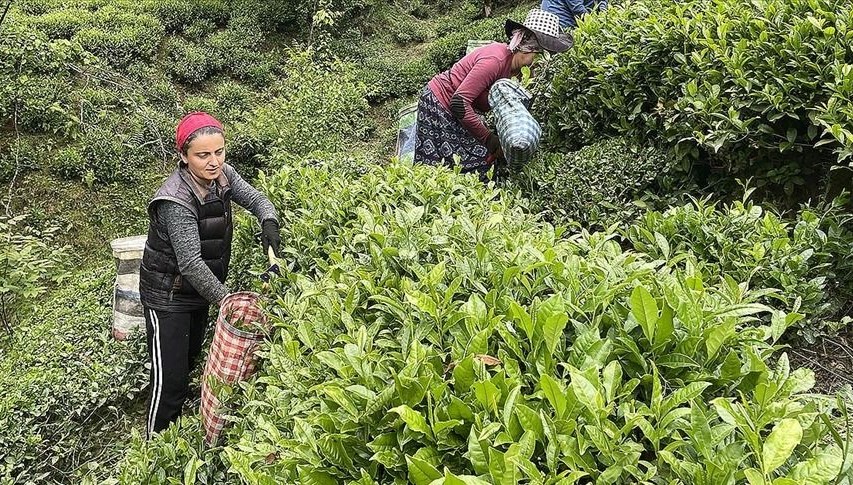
(186, 257)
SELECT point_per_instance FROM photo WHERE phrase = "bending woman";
(449, 121)
(186, 257)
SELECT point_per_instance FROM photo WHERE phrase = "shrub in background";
(809, 260)
(315, 108)
(65, 381)
(61, 24)
(599, 185)
(753, 85)
(177, 15)
(188, 62)
(120, 37)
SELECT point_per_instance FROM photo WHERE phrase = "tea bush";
(120, 37)
(754, 85)
(809, 260)
(314, 108)
(188, 62)
(176, 15)
(599, 185)
(62, 24)
(435, 333)
(35, 81)
(29, 263)
(61, 376)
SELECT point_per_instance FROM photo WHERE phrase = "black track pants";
(174, 344)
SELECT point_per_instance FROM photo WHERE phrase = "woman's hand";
(270, 237)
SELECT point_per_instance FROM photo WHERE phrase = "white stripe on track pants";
(174, 344)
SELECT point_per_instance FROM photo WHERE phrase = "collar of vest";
(222, 181)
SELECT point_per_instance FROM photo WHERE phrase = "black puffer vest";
(161, 286)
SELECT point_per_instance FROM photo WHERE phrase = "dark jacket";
(161, 286)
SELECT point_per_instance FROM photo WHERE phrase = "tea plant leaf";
(780, 444)
(552, 318)
(554, 392)
(680, 396)
(754, 476)
(645, 311)
(665, 326)
(819, 469)
(742, 310)
(414, 419)
(509, 405)
(612, 380)
(530, 420)
(488, 395)
(523, 449)
(476, 455)
(316, 477)
(335, 451)
(586, 392)
(700, 432)
(421, 472)
(463, 374)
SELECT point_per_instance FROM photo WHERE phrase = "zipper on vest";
(176, 284)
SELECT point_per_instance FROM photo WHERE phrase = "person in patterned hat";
(569, 11)
(449, 124)
(186, 257)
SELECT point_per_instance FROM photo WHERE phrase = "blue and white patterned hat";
(546, 27)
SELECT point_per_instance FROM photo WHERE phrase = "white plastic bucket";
(127, 306)
(407, 131)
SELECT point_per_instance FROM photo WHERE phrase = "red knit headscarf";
(191, 123)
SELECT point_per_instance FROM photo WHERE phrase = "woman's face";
(526, 59)
(206, 156)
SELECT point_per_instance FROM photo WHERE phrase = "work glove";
(270, 237)
(493, 144)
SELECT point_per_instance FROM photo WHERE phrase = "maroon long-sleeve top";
(470, 79)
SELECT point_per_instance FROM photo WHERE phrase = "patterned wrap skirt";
(441, 136)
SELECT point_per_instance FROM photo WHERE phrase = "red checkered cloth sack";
(232, 355)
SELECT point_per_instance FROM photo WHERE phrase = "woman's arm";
(182, 227)
(249, 197)
(479, 79)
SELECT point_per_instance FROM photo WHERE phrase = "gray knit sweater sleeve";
(249, 197)
(182, 226)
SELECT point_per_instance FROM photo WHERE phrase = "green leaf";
(742, 310)
(458, 409)
(502, 473)
(315, 477)
(414, 419)
(680, 396)
(509, 405)
(554, 392)
(718, 336)
(645, 311)
(700, 432)
(421, 472)
(612, 377)
(552, 318)
(476, 455)
(665, 326)
(586, 392)
(523, 449)
(488, 395)
(520, 315)
(819, 469)
(530, 420)
(463, 375)
(781, 443)
(754, 476)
